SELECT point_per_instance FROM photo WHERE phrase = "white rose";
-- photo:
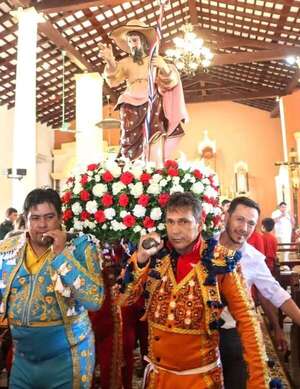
(99, 190)
(175, 180)
(155, 178)
(217, 211)
(186, 178)
(123, 214)
(207, 208)
(151, 229)
(143, 232)
(117, 187)
(211, 192)
(155, 213)
(161, 226)
(176, 188)
(78, 225)
(136, 189)
(109, 213)
(104, 227)
(139, 210)
(76, 208)
(153, 189)
(197, 188)
(77, 188)
(97, 178)
(114, 168)
(137, 229)
(91, 206)
(137, 172)
(163, 183)
(115, 225)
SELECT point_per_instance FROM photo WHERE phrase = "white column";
(283, 130)
(24, 132)
(89, 138)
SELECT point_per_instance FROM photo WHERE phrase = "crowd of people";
(192, 296)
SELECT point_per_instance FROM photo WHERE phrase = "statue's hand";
(161, 64)
(106, 53)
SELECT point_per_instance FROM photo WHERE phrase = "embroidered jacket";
(64, 288)
(190, 309)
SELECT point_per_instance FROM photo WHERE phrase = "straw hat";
(119, 35)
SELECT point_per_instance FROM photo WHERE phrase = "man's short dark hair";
(268, 224)
(282, 203)
(185, 200)
(225, 201)
(243, 200)
(10, 211)
(40, 196)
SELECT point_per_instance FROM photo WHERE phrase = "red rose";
(66, 197)
(123, 200)
(84, 179)
(129, 221)
(84, 195)
(197, 174)
(169, 163)
(92, 166)
(163, 199)
(67, 215)
(148, 222)
(100, 216)
(172, 172)
(107, 176)
(84, 215)
(126, 178)
(145, 178)
(216, 220)
(107, 200)
(143, 200)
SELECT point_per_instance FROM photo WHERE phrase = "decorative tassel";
(276, 383)
(154, 274)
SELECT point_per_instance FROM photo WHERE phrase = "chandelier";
(189, 54)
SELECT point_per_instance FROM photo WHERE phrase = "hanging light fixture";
(190, 54)
(109, 122)
(64, 125)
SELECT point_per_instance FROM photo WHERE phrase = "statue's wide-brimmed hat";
(119, 35)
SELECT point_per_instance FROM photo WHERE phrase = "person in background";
(283, 225)
(19, 227)
(241, 220)
(256, 240)
(224, 205)
(47, 286)
(270, 242)
(7, 225)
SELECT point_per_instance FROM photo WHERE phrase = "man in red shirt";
(270, 242)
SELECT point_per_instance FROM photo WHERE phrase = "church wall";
(241, 133)
(291, 105)
(45, 138)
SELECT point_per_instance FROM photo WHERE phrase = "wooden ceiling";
(250, 39)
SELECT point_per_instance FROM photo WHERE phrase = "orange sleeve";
(135, 287)
(241, 306)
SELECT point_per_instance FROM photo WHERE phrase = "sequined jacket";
(191, 310)
(62, 291)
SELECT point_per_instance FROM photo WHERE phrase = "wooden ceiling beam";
(232, 97)
(255, 56)
(53, 6)
(192, 5)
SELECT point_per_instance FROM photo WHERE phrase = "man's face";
(282, 208)
(240, 224)
(182, 229)
(134, 43)
(40, 219)
(13, 217)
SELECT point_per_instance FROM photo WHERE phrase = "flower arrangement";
(125, 199)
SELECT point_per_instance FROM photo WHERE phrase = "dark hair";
(185, 200)
(282, 203)
(40, 196)
(225, 201)
(268, 223)
(20, 222)
(10, 211)
(243, 200)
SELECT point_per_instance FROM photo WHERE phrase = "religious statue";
(149, 135)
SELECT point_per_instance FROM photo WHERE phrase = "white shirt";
(257, 273)
(283, 226)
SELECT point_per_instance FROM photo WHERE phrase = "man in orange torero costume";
(186, 279)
